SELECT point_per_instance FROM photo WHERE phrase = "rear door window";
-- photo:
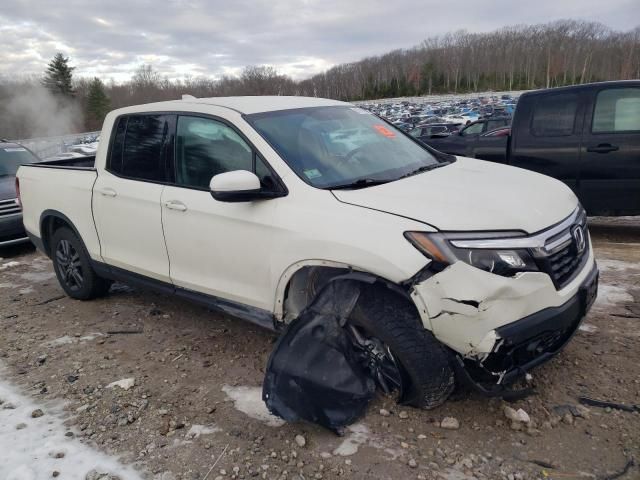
(617, 110)
(145, 148)
(554, 115)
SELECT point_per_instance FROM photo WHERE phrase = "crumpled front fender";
(463, 305)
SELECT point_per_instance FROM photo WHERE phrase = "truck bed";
(60, 187)
(83, 163)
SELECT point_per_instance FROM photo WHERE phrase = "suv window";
(617, 110)
(473, 129)
(206, 147)
(493, 124)
(144, 140)
(554, 115)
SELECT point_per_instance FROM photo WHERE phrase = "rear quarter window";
(554, 115)
(117, 142)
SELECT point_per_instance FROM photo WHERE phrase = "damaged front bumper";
(533, 340)
(499, 328)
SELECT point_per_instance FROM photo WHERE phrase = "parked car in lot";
(439, 268)
(464, 141)
(12, 155)
(429, 131)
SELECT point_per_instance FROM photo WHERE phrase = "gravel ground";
(186, 399)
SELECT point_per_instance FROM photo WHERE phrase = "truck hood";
(471, 195)
(7, 187)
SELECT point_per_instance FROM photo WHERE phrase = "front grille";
(9, 207)
(568, 253)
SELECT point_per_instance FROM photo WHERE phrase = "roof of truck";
(244, 105)
(256, 104)
(583, 86)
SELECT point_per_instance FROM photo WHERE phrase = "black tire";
(73, 268)
(424, 363)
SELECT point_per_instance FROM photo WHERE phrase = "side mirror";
(235, 186)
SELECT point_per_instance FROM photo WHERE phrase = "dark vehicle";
(587, 136)
(429, 131)
(12, 155)
(465, 141)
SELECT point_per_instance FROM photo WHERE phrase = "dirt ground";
(198, 377)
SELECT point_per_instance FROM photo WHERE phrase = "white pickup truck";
(468, 270)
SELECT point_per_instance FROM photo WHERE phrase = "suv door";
(547, 135)
(218, 248)
(610, 162)
(126, 196)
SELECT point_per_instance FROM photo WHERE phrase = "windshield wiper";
(360, 183)
(424, 168)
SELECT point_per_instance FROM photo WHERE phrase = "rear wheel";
(404, 356)
(73, 269)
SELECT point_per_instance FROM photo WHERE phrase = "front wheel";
(404, 355)
(73, 269)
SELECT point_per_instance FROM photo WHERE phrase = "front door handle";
(108, 192)
(175, 205)
(602, 148)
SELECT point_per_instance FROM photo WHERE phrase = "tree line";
(513, 58)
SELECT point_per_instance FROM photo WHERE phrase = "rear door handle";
(108, 192)
(175, 205)
(602, 148)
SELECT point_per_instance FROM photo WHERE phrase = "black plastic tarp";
(314, 373)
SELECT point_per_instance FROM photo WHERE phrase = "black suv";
(12, 155)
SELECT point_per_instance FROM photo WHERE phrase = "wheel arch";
(50, 221)
(303, 280)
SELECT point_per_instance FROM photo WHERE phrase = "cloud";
(298, 37)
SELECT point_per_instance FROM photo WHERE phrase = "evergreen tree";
(58, 76)
(98, 103)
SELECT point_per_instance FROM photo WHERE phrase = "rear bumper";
(12, 230)
(532, 340)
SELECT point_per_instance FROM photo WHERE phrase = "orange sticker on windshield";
(382, 130)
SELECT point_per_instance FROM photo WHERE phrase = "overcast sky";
(300, 38)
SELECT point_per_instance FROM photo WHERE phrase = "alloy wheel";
(69, 265)
(378, 359)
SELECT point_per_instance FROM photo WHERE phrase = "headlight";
(446, 249)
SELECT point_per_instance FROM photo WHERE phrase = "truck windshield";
(341, 147)
(12, 157)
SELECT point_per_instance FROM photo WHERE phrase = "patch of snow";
(196, 430)
(4, 266)
(359, 436)
(68, 340)
(587, 327)
(125, 383)
(31, 453)
(8, 285)
(26, 290)
(248, 400)
(350, 445)
(453, 474)
(37, 276)
(178, 442)
(611, 295)
(607, 265)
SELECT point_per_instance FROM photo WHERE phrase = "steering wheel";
(349, 156)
